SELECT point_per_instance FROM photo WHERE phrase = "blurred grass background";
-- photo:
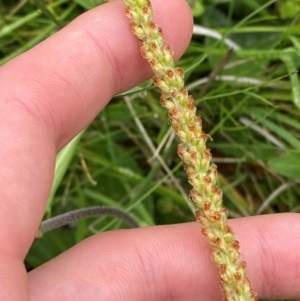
(241, 67)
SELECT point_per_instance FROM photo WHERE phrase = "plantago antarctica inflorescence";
(202, 174)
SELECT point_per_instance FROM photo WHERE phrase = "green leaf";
(287, 165)
(197, 7)
(288, 8)
(89, 4)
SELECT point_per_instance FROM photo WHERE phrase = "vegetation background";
(241, 67)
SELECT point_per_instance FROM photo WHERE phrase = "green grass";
(251, 108)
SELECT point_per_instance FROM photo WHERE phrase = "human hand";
(51, 93)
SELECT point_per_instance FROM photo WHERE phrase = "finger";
(66, 80)
(171, 263)
(54, 90)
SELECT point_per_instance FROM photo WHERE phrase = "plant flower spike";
(202, 175)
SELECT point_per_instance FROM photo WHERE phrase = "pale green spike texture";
(202, 175)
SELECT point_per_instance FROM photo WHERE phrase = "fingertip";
(85, 64)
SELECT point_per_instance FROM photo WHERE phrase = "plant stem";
(75, 215)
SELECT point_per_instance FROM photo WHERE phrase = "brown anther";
(202, 136)
(207, 206)
(193, 194)
(207, 154)
(215, 216)
(143, 52)
(193, 154)
(228, 229)
(145, 9)
(163, 100)
(174, 93)
(243, 264)
(156, 80)
(152, 63)
(191, 103)
(132, 25)
(237, 276)
(198, 120)
(170, 73)
(207, 180)
(222, 269)
(223, 211)
(191, 177)
(204, 231)
(216, 241)
(160, 30)
(152, 25)
(168, 48)
(199, 216)
(176, 128)
(192, 127)
(153, 45)
(180, 149)
(216, 190)
(182, 91)
(235, 244)
(179, 71)
(128, 10)
(172, 112)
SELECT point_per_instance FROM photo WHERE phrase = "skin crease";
(48, 95)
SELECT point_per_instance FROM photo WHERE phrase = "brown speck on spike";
(173, 112)
(145, 9)
(176, 128)
(179, 71)
(216, 190)
(192, 127)
(152, 25)
(180, 149)
(237, 276)
(207, 154)
(193, 194)
(243, 264)
(207, 206)
(163, 100)
(216, 240)
(223, 268)
(198, 216)
(156, 80)
(194, 154)
(151, 63)
(214, 167)
(235, 244)
(128, 11)
(204, 231)
(215, 216)
(228, 229)
(153, 45)
(207, 180)
(191, 104)
(223, 211)
(199, 120)
(182, 91)
(169, 73)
